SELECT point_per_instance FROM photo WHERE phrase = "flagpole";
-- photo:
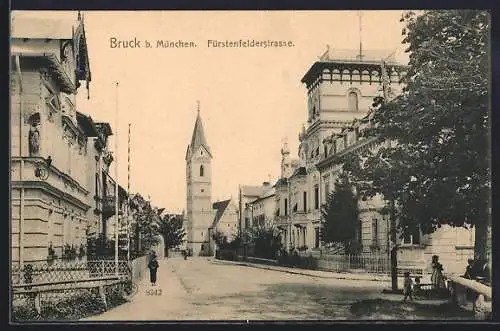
(360, 35)
(117, 216)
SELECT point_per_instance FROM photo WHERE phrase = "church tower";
(199, 190)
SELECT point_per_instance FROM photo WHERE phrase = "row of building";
(340, 92)
(62, 190)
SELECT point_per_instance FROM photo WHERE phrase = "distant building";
(263, 209)
(225, 221)
(246, 195)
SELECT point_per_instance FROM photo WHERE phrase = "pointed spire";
(198, 138)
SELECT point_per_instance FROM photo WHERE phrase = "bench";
(35, 289)
(413, 270)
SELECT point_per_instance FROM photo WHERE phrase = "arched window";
(336, 75)
(346, 75)
(356, 77)
(326, 75)
(353, 101)
(201, 170)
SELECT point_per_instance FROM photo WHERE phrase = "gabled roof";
(27, 26)
(270, 193)
(220, 207)
(253, 191)
(281, 181)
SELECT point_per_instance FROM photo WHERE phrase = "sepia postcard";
(250, 166)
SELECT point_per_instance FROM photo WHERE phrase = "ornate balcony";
(282, 220)
(300, 219)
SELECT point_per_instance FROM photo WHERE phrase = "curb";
(295, 272)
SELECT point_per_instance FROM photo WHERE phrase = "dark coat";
(153, 264)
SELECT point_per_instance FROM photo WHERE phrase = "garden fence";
(377, 263)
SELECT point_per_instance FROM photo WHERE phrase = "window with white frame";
(316, 237)
(412, 236)
(316, 197)
(375, 232)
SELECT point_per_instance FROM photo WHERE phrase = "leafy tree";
(266, 241)
(341, 215)
(172, 231)
(145, 223)
(220, 239)
(436, 168)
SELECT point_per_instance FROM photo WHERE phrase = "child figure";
(407, 286)
(416, 287)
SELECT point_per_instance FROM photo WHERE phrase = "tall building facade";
(199, 212)
(354, 84)
(61, 190)
(340, 89)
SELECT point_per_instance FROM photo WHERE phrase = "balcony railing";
(282, 219)
(300, 217)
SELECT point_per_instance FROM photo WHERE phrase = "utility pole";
(117, 195)
(128, 196)
(393, 247)
(360, 17)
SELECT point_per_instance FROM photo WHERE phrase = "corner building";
(49, 60)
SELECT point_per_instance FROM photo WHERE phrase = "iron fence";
(60, 270)
(69, 289)
(364, 262)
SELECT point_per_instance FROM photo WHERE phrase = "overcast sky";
(250, 98)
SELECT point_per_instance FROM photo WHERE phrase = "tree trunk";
(394, 249)
(481, 237)
(137, 240)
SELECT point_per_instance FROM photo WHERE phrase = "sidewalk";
(168, 298)
(311, 273)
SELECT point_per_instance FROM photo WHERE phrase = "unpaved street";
(197, 289)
